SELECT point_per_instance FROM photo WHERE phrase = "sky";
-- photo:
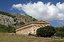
(5, 5)
(48, 10)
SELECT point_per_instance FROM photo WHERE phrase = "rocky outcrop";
(14, 20)
(6, 20)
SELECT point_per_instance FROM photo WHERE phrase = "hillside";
(14, 20)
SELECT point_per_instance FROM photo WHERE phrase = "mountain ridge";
(14, 20)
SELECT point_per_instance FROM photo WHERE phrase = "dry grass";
(8, 37)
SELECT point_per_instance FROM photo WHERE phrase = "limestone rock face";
(17, 21)
(6, 20)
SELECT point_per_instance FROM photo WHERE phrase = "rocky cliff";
(14, 20)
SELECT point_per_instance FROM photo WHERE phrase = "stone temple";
(31, 28)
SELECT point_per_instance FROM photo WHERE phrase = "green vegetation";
(4, 13)
(59, 34)
(47, 31)
(59, 31)
(8, 29)
(33, 19)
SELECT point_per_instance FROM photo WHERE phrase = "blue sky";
(6, 5)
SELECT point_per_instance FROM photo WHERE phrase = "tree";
(60, 29)
(47, 31)
(34, 19)
(59, 32)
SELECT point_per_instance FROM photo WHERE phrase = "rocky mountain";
(14, 20)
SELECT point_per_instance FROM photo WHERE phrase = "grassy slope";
(7, 37)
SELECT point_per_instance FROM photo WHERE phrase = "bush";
(47, 31)
(60, 29)
(8, 29)
(59, 34)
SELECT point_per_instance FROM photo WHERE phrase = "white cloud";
(42, 11)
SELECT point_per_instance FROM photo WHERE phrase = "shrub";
(3, 28)
(47, 31)
(59, 34)
(60, 29)
(8, 29)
